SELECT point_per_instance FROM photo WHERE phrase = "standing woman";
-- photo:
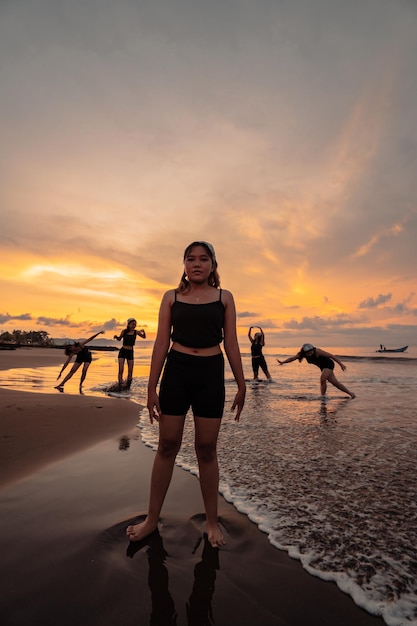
(323, 360)
(258, 359)
(196, 317)
(128, 335)
(83, 357)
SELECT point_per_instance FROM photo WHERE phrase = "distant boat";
(384, 349)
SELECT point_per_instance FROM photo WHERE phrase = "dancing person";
(126, 353)
(325, 361)
(197, 316)
(83, 356)
(258, 359)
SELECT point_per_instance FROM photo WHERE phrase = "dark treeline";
(30, 338)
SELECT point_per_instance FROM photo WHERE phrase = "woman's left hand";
(238, 403)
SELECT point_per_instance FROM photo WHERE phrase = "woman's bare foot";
(137, 532)
(215, 535)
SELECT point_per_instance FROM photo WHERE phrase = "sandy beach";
(37, 429)
(74, 473)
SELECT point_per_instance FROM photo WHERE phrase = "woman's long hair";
(213, 279)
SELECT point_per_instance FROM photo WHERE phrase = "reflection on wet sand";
(199, 605)
(329, 415)
(124, 443)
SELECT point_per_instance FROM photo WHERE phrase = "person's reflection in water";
(323, 410)
(124, 443)
(199, 611)
(163, 608)
(328, 416)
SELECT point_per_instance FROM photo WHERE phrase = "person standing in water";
(126, 353)
(82, 357)
(325, 361)
(196, 317)
(258, 359)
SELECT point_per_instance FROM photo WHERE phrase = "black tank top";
(128, 340)
(197, 325)
(321, 361)
(83, 356)
(256, 349)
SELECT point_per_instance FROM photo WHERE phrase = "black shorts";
(259, 362)
(85, 357)
(193, 381)
(124, 353)
(327, 366)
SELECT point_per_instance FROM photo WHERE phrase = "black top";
(197, 325)
(256, 349)
(321, 361)
(128, 340)
(83, 356)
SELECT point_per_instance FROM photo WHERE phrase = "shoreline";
(65, 475)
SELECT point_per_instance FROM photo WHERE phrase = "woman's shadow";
(199, 609)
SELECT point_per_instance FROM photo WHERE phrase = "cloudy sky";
(283, 131)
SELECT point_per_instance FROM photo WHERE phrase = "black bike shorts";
(193, 381)
(124, 353)
(84, 357)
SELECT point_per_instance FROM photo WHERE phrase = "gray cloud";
(53, 321)
(245, 314)
(111, 324)
(371, 303)
(6, 317)
(319, 323)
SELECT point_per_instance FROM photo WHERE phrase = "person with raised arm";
(323, 360)
(258, 359)
(126, 353)
(83, 357)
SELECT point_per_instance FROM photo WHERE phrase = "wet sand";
(37, 429)
(73, 474)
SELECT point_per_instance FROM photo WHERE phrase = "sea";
(332, 482)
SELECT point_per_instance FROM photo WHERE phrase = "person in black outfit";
(196, 317)
(258, 359)
(83, 357)
(323, 360)
(128, 335)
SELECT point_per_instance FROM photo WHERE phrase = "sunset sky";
(282, 131)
